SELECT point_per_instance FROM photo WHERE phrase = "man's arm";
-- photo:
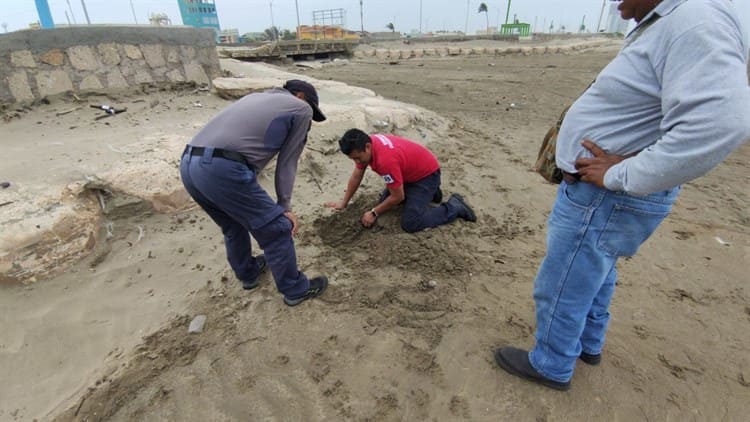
(705, 108)
(396, 196)
(286, 163)
(351, 188)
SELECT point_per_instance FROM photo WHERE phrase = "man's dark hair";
(353, 140)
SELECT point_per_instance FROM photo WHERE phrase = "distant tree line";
(270, 34)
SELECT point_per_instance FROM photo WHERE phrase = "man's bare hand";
(336, 205)
(368, 219)
(592, 170)
(293, 218)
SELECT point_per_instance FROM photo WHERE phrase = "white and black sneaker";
(317, 287)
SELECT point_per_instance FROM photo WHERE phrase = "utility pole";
(273, 27)
(466, 27)
(71, 13)
(133, 9)
(361, 19)
(85, 12)
(296, 5)
(420, 17)
(5, 27)
(507, 12)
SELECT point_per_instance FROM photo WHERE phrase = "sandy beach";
(407, 327)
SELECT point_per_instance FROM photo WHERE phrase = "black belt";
(222, 153)
(571, 178)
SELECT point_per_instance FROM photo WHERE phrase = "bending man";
(219, 169)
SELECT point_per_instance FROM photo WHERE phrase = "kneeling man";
(411, 174)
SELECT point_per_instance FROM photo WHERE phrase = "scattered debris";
(6, 203)
(382, 124)
(722, 241)
(64, 112)
(111, 111)
(5, 185)
(196, 325)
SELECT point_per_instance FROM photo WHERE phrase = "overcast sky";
(255, 15)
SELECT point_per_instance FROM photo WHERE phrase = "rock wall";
(444, 51)
(43, 63)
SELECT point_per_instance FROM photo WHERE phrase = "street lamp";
(85, 12)
(273, 26)
(296, 5)
(420, 18)
(133, 9)
(361, 19)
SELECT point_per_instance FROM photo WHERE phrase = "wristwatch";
(374, 214)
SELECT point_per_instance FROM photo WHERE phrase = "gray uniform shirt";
(677, 94)
(260, 126)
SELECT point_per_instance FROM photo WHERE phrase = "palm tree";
(483, 8)
(391, 27)
(271, 34)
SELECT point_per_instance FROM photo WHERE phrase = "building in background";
(516, 28)
(327, 24)
(229, 36)
(199, 14)
(326, 32)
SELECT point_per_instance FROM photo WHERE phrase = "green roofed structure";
(520, 29)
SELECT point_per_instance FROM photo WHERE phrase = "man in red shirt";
(411, 174)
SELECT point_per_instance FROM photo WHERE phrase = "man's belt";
(222, 153)
(571, 178)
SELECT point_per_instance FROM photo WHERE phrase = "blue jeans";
(417, 214)
(230, 194)
(588, 230)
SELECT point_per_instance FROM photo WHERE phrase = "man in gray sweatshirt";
(219, 169)
(669, 107)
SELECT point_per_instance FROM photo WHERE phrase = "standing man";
(671, 106)
(219, 169)
(411, 174)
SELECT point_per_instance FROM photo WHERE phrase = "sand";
(408, 325)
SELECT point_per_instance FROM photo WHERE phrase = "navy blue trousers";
(417, 213)
(230, 194)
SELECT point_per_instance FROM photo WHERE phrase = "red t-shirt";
(400, 160)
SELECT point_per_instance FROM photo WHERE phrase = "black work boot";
(516, 362)
(262, 264)
(590, 359)
(464, 210)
